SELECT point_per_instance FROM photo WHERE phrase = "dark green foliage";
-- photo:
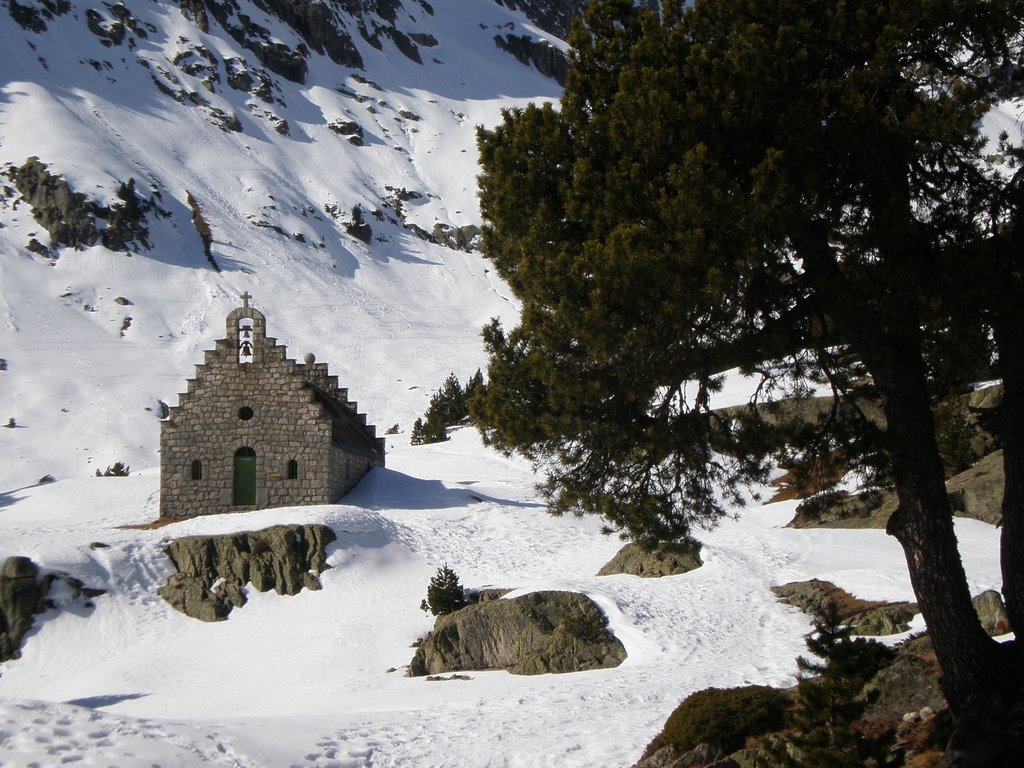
(725, 717)
(448, 407)
(118, 469)
(844, 656)
(444, 593)
(797, 190)
(820, 733)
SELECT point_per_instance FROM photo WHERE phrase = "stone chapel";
(256, 430)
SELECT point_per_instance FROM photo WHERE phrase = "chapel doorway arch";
(245, 477)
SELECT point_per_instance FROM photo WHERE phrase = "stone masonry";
(257, 430)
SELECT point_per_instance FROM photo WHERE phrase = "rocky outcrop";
(318, 26)
(867, 617)
(540, 54)
(465, 238)
(77, 222)
(322, 27)
(212, 570)
(25, 593)
(667, 559)
(529, 635)
(34, 15)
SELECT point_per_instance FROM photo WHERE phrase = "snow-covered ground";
(317, 679)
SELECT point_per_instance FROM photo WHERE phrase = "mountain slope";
(168, 98)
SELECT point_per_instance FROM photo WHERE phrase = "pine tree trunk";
(923, 524)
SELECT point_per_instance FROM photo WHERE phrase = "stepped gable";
(255, 429)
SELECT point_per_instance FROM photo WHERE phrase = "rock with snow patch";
(867, 617)
(213, 570)
(532, 634)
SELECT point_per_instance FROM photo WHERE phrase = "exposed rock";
(992, 612)
(867, 617)
(318, 25)
(212, 570)
(109, 32)
(544, 57)
(68, 216)
(25, 593)
(909, 684)
(969, 447)
(978, 492)
(350, 130)
(404, 44)
(556, 16)
(885, 620)
(33, 16)
(464, 238)
(668, 559)
(73, 220)
(533, 634)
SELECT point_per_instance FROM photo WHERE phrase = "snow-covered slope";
(84, 374)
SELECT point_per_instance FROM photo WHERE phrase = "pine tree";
(820, 724)
(448, 407)
(417, 437)
(790, 189)
(444, 593)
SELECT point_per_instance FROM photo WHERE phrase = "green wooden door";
(245, 477)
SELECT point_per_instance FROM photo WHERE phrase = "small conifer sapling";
(444, 593)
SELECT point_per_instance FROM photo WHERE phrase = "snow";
(304, 680)
(317, 679)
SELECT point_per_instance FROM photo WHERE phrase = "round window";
(245, 413)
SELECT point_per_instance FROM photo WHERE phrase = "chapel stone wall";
(266, 405)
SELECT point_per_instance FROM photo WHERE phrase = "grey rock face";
(534, 634)
(212, 570)
(669, 559)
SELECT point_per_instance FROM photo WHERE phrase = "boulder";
(212, 570)
(529, 635)
(25, 592)
(667, 559)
